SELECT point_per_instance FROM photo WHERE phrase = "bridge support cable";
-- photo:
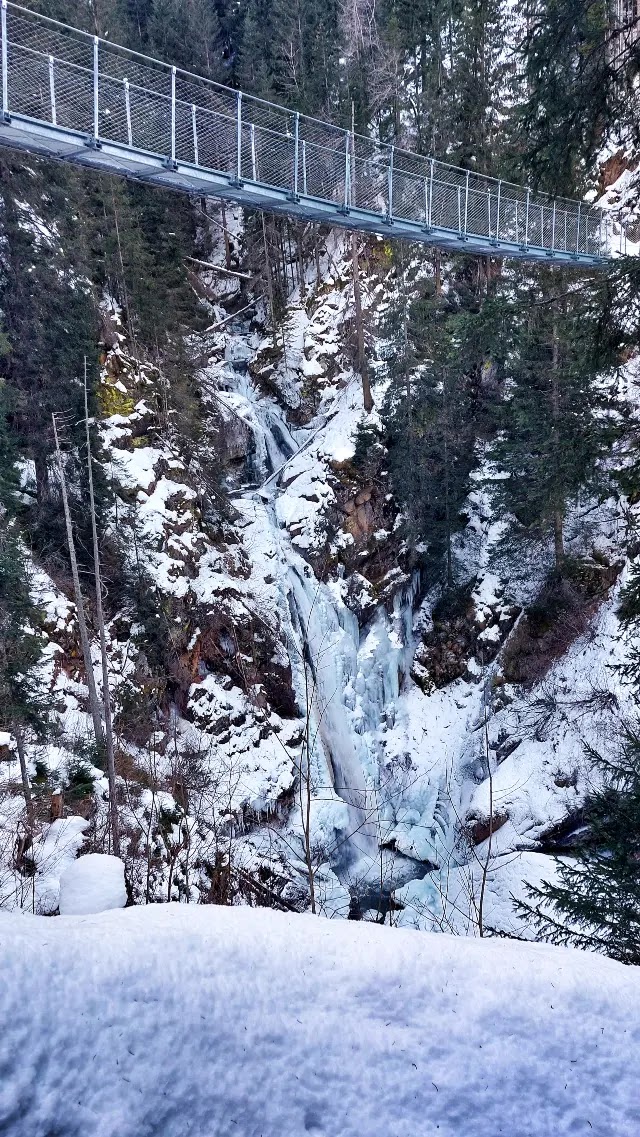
(70, 95)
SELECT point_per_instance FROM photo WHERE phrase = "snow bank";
(203, 1020)
(93, 883)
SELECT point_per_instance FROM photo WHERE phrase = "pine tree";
(554, 419)
(594, 904)
(25, 704)
(187, 33)
(428, 416)
(252, 70)
(578, 88)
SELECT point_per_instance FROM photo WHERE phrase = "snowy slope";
(214, 1021)
(285, 594)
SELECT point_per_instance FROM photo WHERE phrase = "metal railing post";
(459, 211)
(96, 91)
(498, 212)
(517, 231)
(52, 91)
(429, 222)
(566, 238)
(239, 139)
(173, 115)
(526, 219)
(5, 64)
(600, 236)
(254, 164)
(578, 229)
(296, 153)
(127, 107)
(194, 129)
(466, 203)
(304, 166)
(426, 203)
(390, 188)
(347, 173)
(553, 229)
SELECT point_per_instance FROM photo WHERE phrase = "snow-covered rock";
(93, 883)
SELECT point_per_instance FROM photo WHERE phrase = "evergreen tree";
(429, 422)
(476, 77)
(187, 33)
(595, 902)
(555, 428)
(579, 86)
(25, 703)
(252, 70)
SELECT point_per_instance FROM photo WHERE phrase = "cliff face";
(300, 721)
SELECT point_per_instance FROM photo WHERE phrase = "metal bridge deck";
(71, 96)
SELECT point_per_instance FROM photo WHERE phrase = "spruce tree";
(429, 421)
(594, 903)
(578, 87)
(25, 703)
(555, 426)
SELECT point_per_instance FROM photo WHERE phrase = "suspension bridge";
(69, 95)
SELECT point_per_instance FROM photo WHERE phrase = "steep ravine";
(291, 613)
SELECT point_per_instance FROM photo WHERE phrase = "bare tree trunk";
(446, 492)
(487, 860)
(225, 233)
(94, 704)
(26, 788)
(357, 292)
(357, 303)
(106, 698)
(437, 271)
(267, 265)
(132, 333)
(306, 803)
(303, 289)
(558, 511)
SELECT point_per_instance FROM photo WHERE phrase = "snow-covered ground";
(171, 1021)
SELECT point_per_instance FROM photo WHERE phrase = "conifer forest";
(320, 598)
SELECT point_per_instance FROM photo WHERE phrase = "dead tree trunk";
(225, 234)
(106, 697)
(357, 291)
(357, 304)
(24, 776)
(558, 510)
(437, 271)
(270, 292)
(94, 704)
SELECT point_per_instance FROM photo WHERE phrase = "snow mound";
(93, 883)
(180, 1020)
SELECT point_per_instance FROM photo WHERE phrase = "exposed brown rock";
(480, 829)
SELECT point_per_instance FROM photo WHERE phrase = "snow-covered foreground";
(215, 1021)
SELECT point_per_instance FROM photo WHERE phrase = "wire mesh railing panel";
(481, 219)
(370, 184)
(68, 78)
(217, 142)
(150, 122)
(29, 84)
(408, 199)
(119, 66)
(112, 111)
(44, 38)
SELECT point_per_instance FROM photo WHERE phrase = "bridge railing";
(106, 93)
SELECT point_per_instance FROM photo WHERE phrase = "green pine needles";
(594, 904)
